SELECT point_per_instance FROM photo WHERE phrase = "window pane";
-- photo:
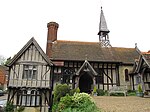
(34, 74)
(28, 100)
(33, 101)
(23, 100)
(38, 100)
(30, 72)
(25, 74)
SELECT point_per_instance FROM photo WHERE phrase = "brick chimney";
(51, 36)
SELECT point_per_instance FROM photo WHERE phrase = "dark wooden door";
(85, 83)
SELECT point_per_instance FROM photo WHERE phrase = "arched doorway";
(85, 83)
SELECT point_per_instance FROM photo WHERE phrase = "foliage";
(100, 92)
(78, 90)
(79, 102)
(2, 60)
(139, 88)
(94, 91)
(72, 91)
(7, 61)
(20, 109)
(9, 107)
(117, 94)
(60, 91)
(131, 93)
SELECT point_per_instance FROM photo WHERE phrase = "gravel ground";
(123, 104)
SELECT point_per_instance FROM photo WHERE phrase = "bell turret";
(103, 31)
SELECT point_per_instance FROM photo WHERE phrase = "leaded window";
(67, 75)
(30, 98)
(30, 72)
(126, 75)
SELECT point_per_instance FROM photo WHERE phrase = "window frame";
(30, 72)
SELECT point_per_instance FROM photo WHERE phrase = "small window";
(30, 72)
(126, 75)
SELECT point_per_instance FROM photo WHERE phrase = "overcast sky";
(20, 20)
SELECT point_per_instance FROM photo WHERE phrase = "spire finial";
(101, 7)
(135, 45)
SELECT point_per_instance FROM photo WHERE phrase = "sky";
(20, 20)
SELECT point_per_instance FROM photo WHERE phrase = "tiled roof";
(92, 51)
(147, 58)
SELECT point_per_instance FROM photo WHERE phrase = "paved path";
(123, 104)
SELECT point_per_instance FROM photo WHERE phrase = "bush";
(94, 91)
(100, 92)
(131, 93)
(72, 91)
(20, 109)
(60, 91)
(116, 94)
(79, 102)
(9, 107)
(140, 88)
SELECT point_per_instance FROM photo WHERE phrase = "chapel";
(90, 64)
(33, 74)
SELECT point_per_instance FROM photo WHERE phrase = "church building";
(89, 64)
(83, 65)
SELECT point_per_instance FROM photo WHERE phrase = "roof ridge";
(75, 41)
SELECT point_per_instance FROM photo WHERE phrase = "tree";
(2, 60)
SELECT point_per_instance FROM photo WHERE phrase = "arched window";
(126, 75)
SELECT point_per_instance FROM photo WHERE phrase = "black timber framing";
(16, 94)
(109, 69)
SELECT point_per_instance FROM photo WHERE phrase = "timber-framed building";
(30, 81)
(86, 65)
(89, 64)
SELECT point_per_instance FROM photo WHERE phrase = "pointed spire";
(103, 31)
(103, 24)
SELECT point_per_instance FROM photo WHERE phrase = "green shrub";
(20, 109)
(79, 102)
(140, 88)
(65, 102)
(131, 93)
(60, 91)
(94, 90)
(100, 92)
(72, 91)
(9, 107)
(117, 94)
(77, 90)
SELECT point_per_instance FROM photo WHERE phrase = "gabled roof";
(146, 58)
(143, 61)
(26, 46)
(79, 51)
(86, 66)
(102, 24)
